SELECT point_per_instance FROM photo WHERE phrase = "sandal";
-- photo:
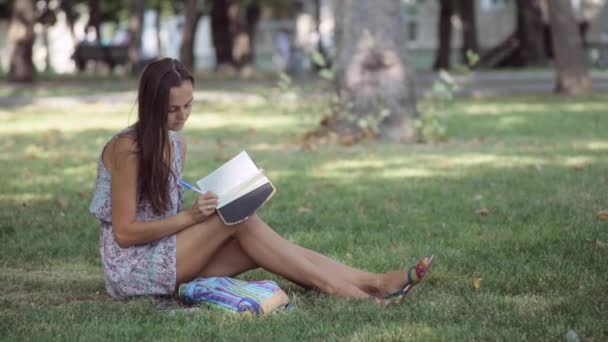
(414, 277)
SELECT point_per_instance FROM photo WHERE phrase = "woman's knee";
(213, 224)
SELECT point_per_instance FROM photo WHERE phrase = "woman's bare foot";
(397, 280)
(392, 282)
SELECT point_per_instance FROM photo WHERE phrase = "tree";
(374, 83)
(572, 76)
(530, 34)
(527, 45)
(135, 31)
(470, 42)
(21, 35)
(221, 35)
(233, 25)
(192, 13)
(444, 33)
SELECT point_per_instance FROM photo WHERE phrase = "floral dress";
(147, 269)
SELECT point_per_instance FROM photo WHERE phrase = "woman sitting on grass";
(150, 245)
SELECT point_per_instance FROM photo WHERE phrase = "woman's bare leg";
(376, 284)
(197, 245)
(231, 260)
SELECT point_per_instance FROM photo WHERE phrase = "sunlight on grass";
(34, 119)
(435, 165)
(596, 145)
(494, 108)
(216, 120)
(25, 197)
(511, 121)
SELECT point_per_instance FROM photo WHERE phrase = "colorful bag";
(228, 293)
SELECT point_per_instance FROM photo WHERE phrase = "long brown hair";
(151, 130)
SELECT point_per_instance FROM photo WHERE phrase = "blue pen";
(191, 187)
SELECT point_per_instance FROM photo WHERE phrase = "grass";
(537, 164)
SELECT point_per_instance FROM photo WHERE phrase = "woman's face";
(180, 105)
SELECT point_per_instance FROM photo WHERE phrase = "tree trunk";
(221, 34)
(469, 29)
(374, 83)
(192, 17)
(67, 6)
(21, 34)
(233, 26)
(47, 18)
(94, 20)
(135, 30)
(530, 34)
(320, 47)
(572, 76)
(245, 25)
(442, 58)
(157, 22)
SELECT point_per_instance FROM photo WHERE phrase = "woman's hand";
(204, 206)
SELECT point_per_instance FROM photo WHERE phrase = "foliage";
(435, 105)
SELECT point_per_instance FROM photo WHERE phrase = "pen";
(191, 187)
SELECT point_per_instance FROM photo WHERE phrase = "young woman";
(150, 245)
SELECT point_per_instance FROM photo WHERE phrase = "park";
(489, 155)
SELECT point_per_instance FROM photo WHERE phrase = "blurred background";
(249, 36)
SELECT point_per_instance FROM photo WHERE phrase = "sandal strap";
(419, 271)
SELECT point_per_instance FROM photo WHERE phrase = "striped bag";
(228, 293)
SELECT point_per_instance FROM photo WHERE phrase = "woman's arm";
(121, 161)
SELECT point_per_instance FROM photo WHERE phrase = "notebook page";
(234, 172)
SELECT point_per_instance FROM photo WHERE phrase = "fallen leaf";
(602, 214)
(219, 143)
(63, 203)
(477, 283)
(579, 167)
(478, 197)
(221, 156)
(83, 194)
(595, 243)
(304, 210)
(482, 211)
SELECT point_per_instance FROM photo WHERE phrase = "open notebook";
(241, 187)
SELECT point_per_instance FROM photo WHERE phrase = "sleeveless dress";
(147, 269)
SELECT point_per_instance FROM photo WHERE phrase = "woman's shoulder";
(123, 146)
(124, 141)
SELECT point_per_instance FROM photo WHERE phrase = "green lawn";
(537, 164)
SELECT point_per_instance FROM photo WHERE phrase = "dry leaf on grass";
(63, 203)
(482, 211)
(602, 214)
(476, 283)
(84, 194)
(304, 210)
(595, 243)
